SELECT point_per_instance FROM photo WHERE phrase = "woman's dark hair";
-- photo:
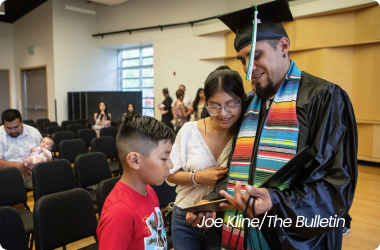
(179, 93)
(165, 91)
(134, 109)
(105, 111)
(196, 101)
(227, 80)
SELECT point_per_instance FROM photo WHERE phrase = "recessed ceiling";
(15, 9)
(110, 2)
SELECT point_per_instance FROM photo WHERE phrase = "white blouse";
(189, 152)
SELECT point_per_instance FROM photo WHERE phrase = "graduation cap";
(259, 22)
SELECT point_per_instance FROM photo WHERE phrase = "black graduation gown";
(327, 185)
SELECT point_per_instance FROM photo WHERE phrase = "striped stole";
(277, 145)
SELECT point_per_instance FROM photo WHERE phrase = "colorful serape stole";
(277, 145)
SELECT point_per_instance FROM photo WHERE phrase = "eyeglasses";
(229, 108)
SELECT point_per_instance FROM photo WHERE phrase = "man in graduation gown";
(290, 110)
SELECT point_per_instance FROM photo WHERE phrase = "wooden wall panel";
(366, 86)
(230, 49)
(369, 142)
(325, 30)
(334, 65)
(367, 24)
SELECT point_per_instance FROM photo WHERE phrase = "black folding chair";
(41, 122)
(69, 149)
(61, 136)
(28, 122)
(51, 130)
(81, 121)
(12, 232)
(13, 192)
(64, 124)
(109, 131)
(90, 169)
(48, 124)
(87, 135)
(165, 194)
(75, 128)
(64, 217)
(104, 189)
(107, 145)
(52, 177)
(114, 124)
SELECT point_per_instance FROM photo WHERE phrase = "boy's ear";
(133, 160)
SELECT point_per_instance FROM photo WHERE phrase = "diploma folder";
(294, 165)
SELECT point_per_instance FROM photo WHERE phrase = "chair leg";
(31, 238)
(64, 248)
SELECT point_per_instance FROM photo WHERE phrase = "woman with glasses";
(200, 154)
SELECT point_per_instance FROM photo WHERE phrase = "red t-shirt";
(131, 221)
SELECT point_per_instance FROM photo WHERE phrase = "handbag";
(167, 212)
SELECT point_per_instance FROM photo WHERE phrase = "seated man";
(16, 141)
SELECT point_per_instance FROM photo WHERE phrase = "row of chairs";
(62, 213)
(55, 177)
(69, 149)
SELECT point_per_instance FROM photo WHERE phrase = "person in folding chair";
(16, 141)
(289, 111)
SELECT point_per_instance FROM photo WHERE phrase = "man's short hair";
(272, 42)
(182, 86)
(9, 115)
(141, 134)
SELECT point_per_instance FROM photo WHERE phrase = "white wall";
(176, 49)
(35, 29)
(6, 56)
(79, 64)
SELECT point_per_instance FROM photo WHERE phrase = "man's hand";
(210, 176)
(195, 219)
(263, 203)
(23, 169)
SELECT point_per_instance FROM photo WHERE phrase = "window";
(136, 74)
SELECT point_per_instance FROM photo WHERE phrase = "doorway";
(34, 93)
(5, 95)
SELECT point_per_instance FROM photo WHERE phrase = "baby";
(40, 154)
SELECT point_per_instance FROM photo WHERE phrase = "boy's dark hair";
(165, 91)
(9, 115)
(141, 134)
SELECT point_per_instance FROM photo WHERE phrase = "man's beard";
(14, 135)
(266, 92)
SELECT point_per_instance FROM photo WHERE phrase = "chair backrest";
(114, 124)
(61, 136)
(64, 124)
(41, 122)
(88, 125)
(108, 131)
(87, 135)
(104, 189)
(12, 232)
(28, 121)
(165, 194)
(90, 169)
(33, 124)
(53, 129)
(47, 124)
(52, 177)
(75, 128)
(12, 190)
(62, 218)
(69, 149)
(106, 144)
(81, 121)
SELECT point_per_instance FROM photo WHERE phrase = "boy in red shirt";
(131, 217)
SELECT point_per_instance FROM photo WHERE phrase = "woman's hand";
(210, 176)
